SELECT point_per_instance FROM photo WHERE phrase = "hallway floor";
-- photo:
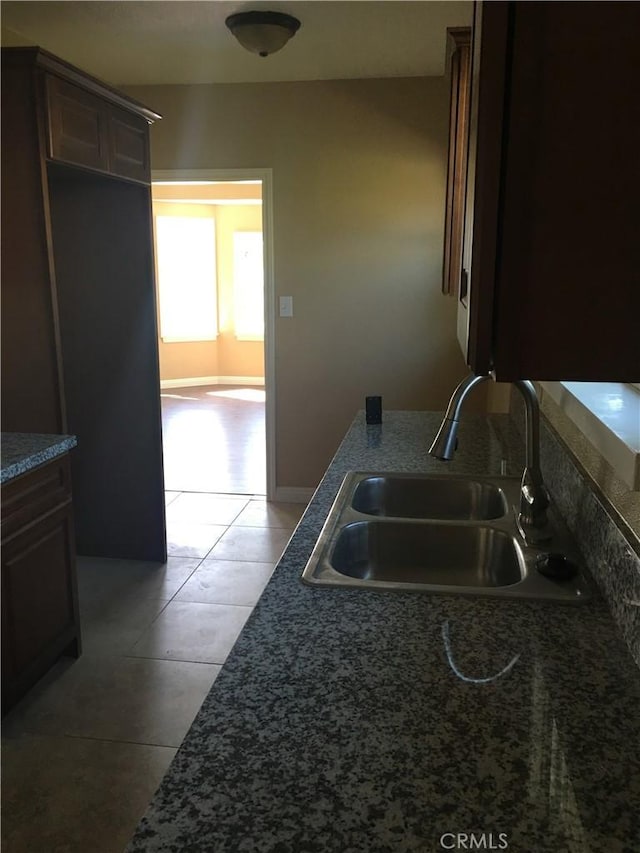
(214, 439)
(83, 753)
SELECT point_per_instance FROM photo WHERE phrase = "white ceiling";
(158, 42)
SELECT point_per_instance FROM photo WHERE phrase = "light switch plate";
(286, 306)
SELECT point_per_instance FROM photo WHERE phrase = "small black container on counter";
(374, 410)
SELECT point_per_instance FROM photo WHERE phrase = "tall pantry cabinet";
(79, 339)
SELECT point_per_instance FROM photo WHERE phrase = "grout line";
(118, 740)
(231, 495)
(261, 527)
(226, 560)
(216, 603)
(219, 603)
(180, 587)
(182, 660)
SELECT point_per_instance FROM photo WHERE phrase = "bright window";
(186, 258)
(608, 415)
(248, 285)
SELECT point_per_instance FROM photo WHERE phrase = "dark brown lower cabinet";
(40, 619)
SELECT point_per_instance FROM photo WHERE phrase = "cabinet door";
(484, 163)
(128, 145)
(39, 596)
(36, 569)
(39, 601)
(552, 258)
(459, 61)
(77, 125)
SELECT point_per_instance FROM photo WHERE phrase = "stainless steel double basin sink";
(436, 534)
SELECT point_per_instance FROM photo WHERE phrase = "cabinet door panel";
(37, 586)
(482, 207)
(460, 69)
(128, 145)
(77, 125)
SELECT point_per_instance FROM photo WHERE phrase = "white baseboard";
(293, 495)
(193, 381)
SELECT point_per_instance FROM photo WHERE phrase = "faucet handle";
(533, 523)
(535, 495)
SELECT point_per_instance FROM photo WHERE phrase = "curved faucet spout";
(534, 497)
(446, 441)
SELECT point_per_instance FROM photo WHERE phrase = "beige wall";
(358, 174)
(10, 38)
(226, 356)
(211, 192)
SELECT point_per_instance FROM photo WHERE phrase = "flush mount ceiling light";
(263, 32)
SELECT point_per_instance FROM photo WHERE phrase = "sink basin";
(406, 553)
(438, 498)
(400, 531)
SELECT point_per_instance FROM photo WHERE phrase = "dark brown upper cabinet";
(459, 72)
(552, 223)
(85, 130)
(79, 335)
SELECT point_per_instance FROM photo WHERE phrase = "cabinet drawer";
(77, 125)
(32, 494)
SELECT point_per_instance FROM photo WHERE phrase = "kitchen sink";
(418, 496)
(403, 552)
(457, 535)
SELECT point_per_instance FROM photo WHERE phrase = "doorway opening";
(212, 232)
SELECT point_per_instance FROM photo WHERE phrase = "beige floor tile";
(260, 513)
(254, 544)
(114, 626)
(202, 508)
(189, 631)
(226, 582)
(70, 795)
(103, 580)
(115, 698)
(192, 540)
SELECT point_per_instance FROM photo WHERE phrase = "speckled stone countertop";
(353, 721)
(22, 451)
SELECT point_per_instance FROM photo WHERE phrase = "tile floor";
(83, 753)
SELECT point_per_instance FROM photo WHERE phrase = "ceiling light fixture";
(263, 32)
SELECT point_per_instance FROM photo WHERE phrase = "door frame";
(266, 177)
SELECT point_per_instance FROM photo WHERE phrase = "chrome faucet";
(534, 497)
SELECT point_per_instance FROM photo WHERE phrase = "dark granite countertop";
(22, 451)
(376, 722)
